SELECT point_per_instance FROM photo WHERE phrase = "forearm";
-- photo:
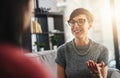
(104, 72)
(101, 74)
(60, 72)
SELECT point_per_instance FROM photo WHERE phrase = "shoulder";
(102, 49)
(14, 58)
(64, 46)
(98, 45)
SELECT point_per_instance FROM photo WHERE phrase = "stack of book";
(36, 27)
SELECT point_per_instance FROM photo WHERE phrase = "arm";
(104, 72)
(60, 71)
(104, 57)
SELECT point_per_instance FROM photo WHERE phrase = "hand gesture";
(95, 68)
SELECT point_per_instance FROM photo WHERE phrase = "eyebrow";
(78, 19)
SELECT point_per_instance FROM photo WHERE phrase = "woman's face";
(80, 26)
(28, 13)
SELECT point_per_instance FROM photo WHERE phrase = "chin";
(78, 37)
(77, 34)
(26, 26)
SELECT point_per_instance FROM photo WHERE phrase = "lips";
(77, 31)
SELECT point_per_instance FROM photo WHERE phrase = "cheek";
(27, 19)
(86, 28)
(72, 29)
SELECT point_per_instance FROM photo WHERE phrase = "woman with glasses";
(81, 57)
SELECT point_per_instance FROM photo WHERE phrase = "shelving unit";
(52, 25)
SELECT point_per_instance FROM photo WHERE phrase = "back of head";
(79, 11)
(11, 20)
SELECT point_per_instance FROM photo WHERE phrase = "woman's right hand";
(95, 68)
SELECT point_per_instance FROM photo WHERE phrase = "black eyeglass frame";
(79, 22)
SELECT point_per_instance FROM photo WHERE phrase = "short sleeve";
(60, 59)
(103, 55)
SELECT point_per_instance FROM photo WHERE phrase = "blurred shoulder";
(65, 45)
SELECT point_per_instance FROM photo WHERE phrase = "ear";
(90, 25)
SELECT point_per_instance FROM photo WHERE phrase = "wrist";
(97, 76)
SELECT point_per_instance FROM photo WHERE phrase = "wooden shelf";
(49, 33)
(39, 14)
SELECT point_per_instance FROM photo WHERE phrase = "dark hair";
(12, 19)
(79, 11)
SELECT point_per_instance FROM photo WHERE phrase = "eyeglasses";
(79, 22)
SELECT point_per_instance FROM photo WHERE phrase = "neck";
(81, 42)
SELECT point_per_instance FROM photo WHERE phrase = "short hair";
(79, 11)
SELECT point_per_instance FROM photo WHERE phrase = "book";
(36, 27)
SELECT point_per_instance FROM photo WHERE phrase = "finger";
(92, 63)
(92, 66)
(96, 66)
(88, 63)
(102, 64)
(96, 69)
(88, 66)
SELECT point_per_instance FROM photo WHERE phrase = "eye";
(81, 21)
(72, 22)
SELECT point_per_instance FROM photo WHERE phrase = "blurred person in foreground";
(15, 16)
(81, 57)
